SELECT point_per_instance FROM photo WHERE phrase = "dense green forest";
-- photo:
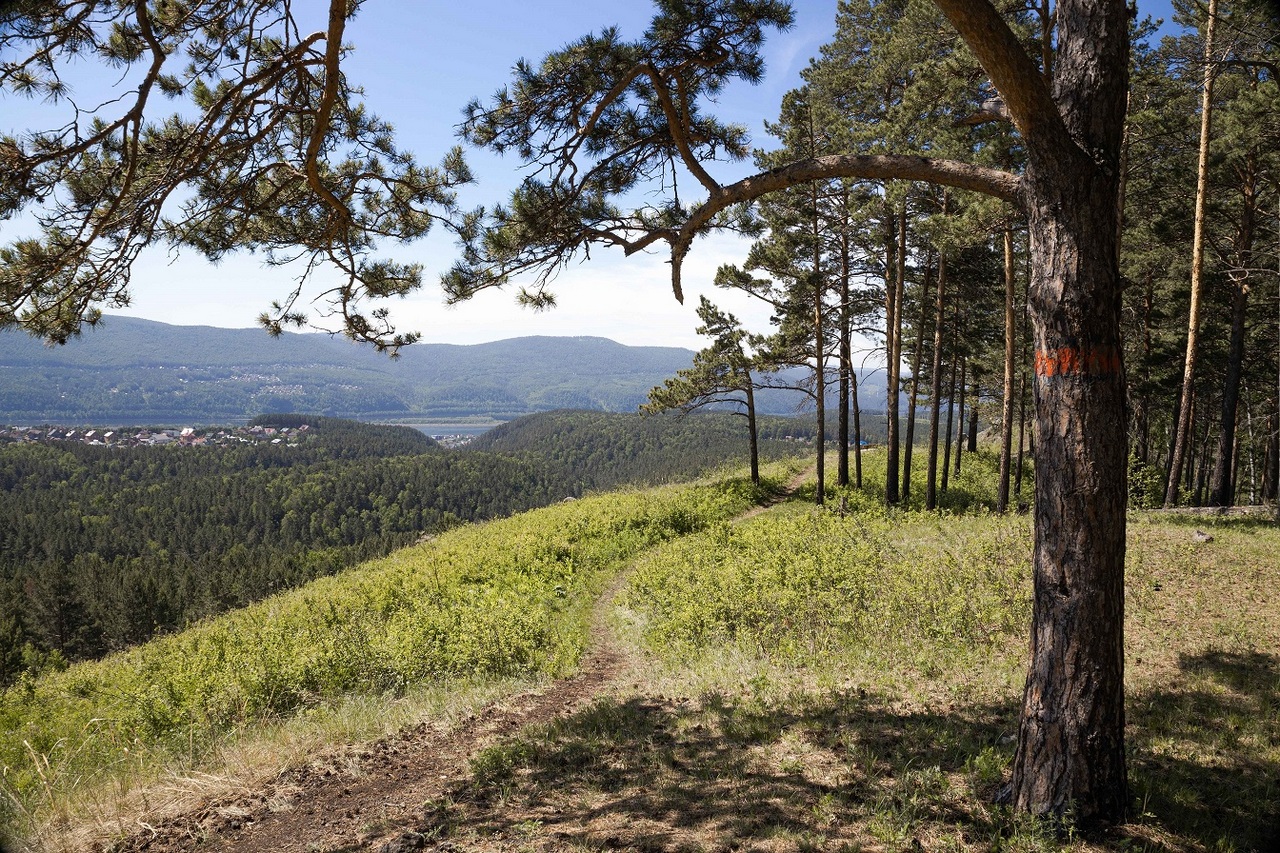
(106, 546)
(605, 449)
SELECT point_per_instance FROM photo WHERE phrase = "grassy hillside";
(819, 681)
(841, 679)
(497, 599)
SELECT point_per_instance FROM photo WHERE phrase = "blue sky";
(420, 62)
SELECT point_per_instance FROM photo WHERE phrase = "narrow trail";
(370, 796)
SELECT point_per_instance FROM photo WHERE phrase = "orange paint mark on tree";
(1068, 361)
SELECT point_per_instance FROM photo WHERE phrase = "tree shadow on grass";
(822, 773)
(846, 769)
(1205, 751)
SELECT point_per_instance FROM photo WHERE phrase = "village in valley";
(156, 436)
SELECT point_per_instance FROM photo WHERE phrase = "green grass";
(828, 682)
(836, 679)
(505, 598)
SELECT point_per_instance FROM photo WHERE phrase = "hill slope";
(139, 371)
(142, 371)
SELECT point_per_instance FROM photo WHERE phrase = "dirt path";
(370, 796)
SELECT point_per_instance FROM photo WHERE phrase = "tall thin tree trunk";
(1022, 425)
(909, 444)
(931, 484)
(1197, 261)
(973, 415)
(857, 431)
(1022, 392)
(964, 368)
(1206, 457)
(819, 335)
(753, 432)
(1271, 460)
(951, 399)
(1010, 342)
(846, 345)
(890, 349)
(1141, 403)
(1220, 489)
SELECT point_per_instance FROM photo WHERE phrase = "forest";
(1047, 202)
(105, 547)
(944, 275)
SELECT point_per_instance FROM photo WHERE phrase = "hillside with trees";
(107, 546)
(138, 371)
(1039, 209)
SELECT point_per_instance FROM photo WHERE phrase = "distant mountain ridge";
(140, 371)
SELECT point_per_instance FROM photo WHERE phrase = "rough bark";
(1070, 755)
(752, 432)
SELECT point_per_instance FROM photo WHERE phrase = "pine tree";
(723, 373)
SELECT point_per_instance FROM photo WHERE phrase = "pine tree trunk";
(1271, 460)
(1070, 758)
(857, 430)
(846, 370)
(1010, 342)
(1070, 755)
(973, 415)
(1141, 403)
(891, 367)
(951, 402)
(1202, 470)
(1220, 493)
(1022, 425)
(964, 369)
(819, 349)
(931, 484)
(753, 432)
(909, 444)
(846, 340)
(1183, 432)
